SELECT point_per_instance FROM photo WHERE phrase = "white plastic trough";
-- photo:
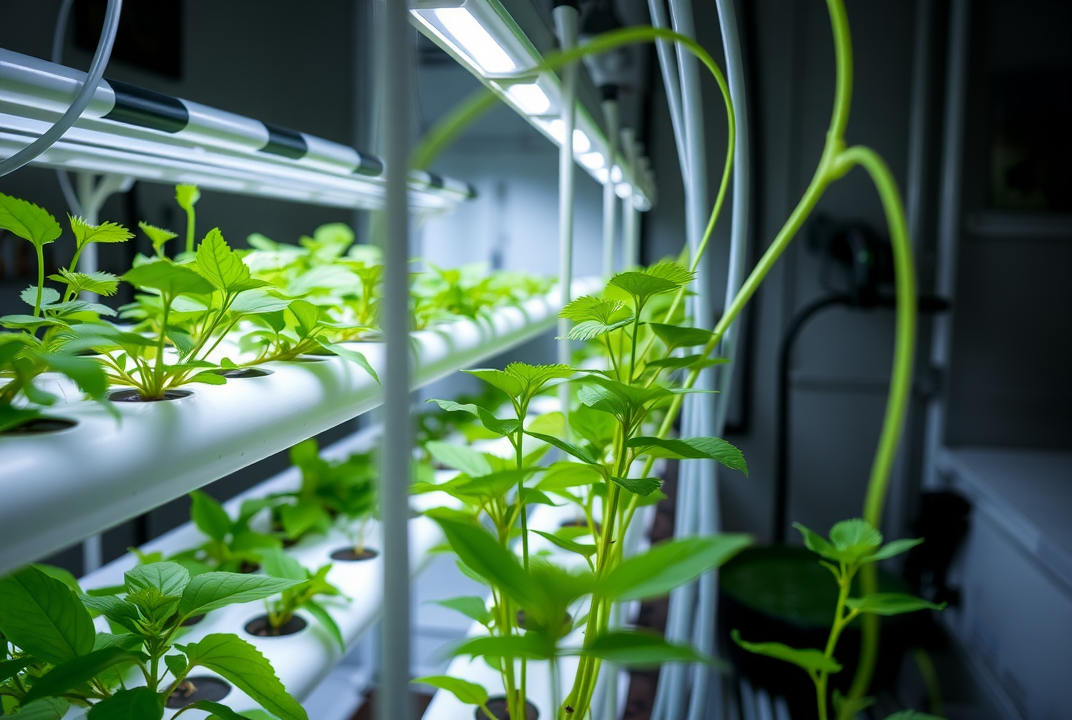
(60, 488)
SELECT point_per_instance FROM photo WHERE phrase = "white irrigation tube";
(671, 82)
(566, 27)
(395, 59)
(81, 101)
(630, 214)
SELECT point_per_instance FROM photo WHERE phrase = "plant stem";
(158, 368)
(190, 229)
(40, 278)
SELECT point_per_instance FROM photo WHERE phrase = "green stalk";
(158, 368)
(190, 229)
(40, 278)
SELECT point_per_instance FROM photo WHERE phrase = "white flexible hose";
(81, 101)
(69, 194)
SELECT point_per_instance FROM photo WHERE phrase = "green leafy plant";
(230, 545)
(853, 544)
(55, 659)
(38, 343)
(307, 586)
(187, 196)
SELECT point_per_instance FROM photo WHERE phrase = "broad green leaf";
(139, 703)
(209, 516)
(641, 286)
(583, 454)
(855, 537)
(672, 271)
(522, 381)
(584, 550)
(208, 377)
(692, 448)
(49, 296)
(641, 649)
(11, 668)
(169, 578)
(676, 336)
(115, 609)
(467, 692)
(483, 554)
(624, 402)
(639, 486)
(306, 317)
(27, 322)
(496, 425)
(352, 355)
(529, 645)
(220, 265)
(471, 606)
(28, 221)
(810, 660)
(106, 232)
(301, 517)
(593, 426)
(177, 664)
(214, 590)
(564, 474)
(891, 604)
(41, 615)
(893, 548)
(169, 278)
(591, 329)
(157, 236)
(245, 667)
(72, 673)
(321, 613)
(43, 709)
(257, 301)
(458, 457)
(187, 196)
(670, 564)
(279, 564)
(818, 544)
(219, 711)
(86, 372)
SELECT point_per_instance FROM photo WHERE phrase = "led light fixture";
(592, 160)
(477, 34)
(557, 130)
(475, 40)
(530, 98)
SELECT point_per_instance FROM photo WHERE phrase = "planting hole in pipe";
(352, 555)
(193, 620)
(40, 426)
(242, 373)
(260, 627)
(200, 687)
(309, 359)
(132, 396)
(498, 708)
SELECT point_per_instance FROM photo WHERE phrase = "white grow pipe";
(610, 196)
(566, 27)
(671, 82)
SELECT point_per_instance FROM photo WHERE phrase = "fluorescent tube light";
(624, 190)
(475, 41)
(581, 143)
(616, 174)
(531, 99)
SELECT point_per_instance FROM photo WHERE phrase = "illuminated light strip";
(475, 41)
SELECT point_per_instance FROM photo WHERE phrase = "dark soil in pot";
(309, 359)
(497, 705)
(39, 426)
(199, 687)
(132, 396)
(193, 620)
(242, 373)
(782, 594)
(350, 554)
(260, 627)
(248, 568)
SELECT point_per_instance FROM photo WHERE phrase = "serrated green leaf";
(49, 296)
(672, 271)
(855, 537)
(641, 649)
(587, 308)
(496, 425)
(134, 704)
(891, 604)
(244, 666)
(72, 673)
(810, 660)
(670, 564)
(676, 336)
(187, 196)
(220, 265)
(169, 578)
(169, 278)
(41, 615)
(106, 232)
(115, 609)
(87, 373)
(521, 381)
(157, 236)
(258, 301)
(352, 355)
(639, 486)
(213, 590)
(640, 286)
(692, 448)
(467, 692)
(818, 544)
(43, 709)
(28, 221)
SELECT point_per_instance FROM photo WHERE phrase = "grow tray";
(62, 487)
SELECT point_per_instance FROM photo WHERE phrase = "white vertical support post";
(630, 214)
(948, 221)
(395, 64)
(671, 82)
(610, 196)
(566, 26)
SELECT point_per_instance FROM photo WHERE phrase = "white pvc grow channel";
(158, 451)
